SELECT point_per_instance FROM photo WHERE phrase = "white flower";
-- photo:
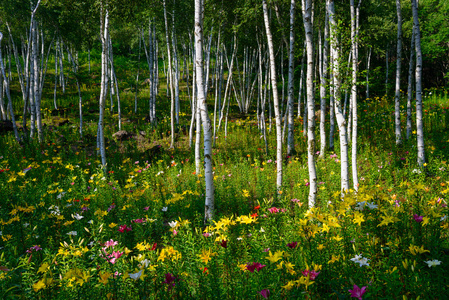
(261, 229)
(91, 222)
(416, 171)
(371, 205)
(363, 262)
(90, 244)
(159, 173)
(77, 216)
(72, 233)
(164, 208)
(443, 218)
(136, 276)
(239, 239)
(433, 263)
(144, 263)
(60, 195)
(357, 258)
(173, 224)
(26, 224)
(360, 206)
(1, 233)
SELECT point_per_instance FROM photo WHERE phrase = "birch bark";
(397, 103)
(337, 102)
(307, 18)
(418, 75)
(291, 71)
(209, 202)
(275, 99)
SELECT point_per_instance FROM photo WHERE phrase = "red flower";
(224, 244)
(257, 207)
(254, 266)
(292, 245)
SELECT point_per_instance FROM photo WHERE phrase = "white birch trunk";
(323, 79)
(6, 85)
(368, 61)
(104, 85)
(337, 102)
(277, 115)
(170, 82)
(353, 114)
(291, 69)
(209, 177)
(307, 18)
(418, 74)
(397, 103)
(410, 87)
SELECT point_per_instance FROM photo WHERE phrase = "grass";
(70, 231)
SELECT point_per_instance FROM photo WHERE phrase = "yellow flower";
(387, 220)
(414, 250)
(320, 247)
(425, 221)
(242, 267)
(112, 225)
(289, 285)
(206, 255)
(334, 259)
(358, 218)
(274, 257)
(39, 285)
(104, 277)
(44, 268)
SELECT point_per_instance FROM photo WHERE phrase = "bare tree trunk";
(368, 61)
(6, 84)
(410, 87)
(323, 79)
(170, 79)
(275, 99)
(397, 103)
(291, 69)
(418, 74)
(307, 18)
(337, 102)
(353, 115)
(104, 84)
(209, 203)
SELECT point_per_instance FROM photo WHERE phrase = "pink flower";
(146, 208)
(417, 218)
(206, 234)
(312, 274)
(175, 232)
(265, 293)
(139, 220)
(110, 243)
(358, 292)
(115, 255)
(273, 210)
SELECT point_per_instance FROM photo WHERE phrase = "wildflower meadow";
(71, 231)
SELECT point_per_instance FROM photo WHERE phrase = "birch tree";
(170, 82)
(291, 71)
(6, 84)
(418, 74)
(397, 103)
(353, 115)
(209, 177)
(307, 19)
(104, 15)
(277, 115)
(336, 93)
(323, 79)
